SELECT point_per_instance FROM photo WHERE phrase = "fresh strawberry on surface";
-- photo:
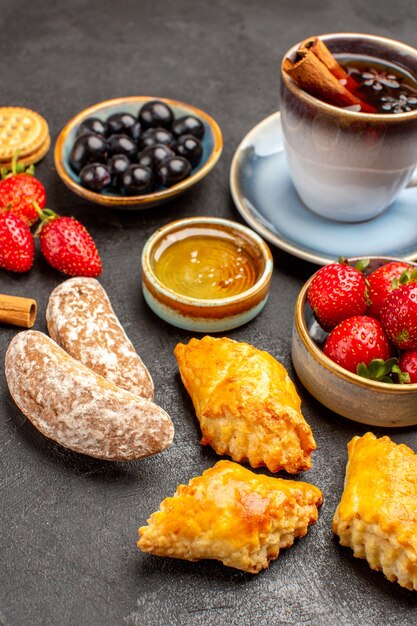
(338, 291)
(17, 248)
(19, 189)
(399, 315)
(408, 364)
(358, 339)
(382, 281)
(67, 246)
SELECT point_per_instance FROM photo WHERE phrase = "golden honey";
(206, 266)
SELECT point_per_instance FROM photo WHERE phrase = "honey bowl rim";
(324, 361)
(173, 296)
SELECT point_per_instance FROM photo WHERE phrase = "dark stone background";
(68, 524)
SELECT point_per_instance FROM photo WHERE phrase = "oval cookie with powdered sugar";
(78, 408)
(81, 320)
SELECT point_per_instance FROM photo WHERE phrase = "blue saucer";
(265, 197)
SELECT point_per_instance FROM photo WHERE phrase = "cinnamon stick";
(318, 73)
(17, 311)
(322, 52)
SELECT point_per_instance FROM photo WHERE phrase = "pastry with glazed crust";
(232, 515)
(377, 514)
(247, 405)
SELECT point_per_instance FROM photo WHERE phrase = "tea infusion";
(385, 86)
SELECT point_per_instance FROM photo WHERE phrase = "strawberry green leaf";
(367, 298)
(413, 275)
(402, 377)
(362, 370)
(362, 265)
(404, 278)
(379, 370)
(408, 276)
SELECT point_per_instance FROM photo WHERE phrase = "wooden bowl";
(357, 398)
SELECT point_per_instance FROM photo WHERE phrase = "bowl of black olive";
(136, 152)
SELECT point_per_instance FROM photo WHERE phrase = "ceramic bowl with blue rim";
(352, 396)
(212, 142)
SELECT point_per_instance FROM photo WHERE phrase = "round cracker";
(39, 154)
(33, 157)
(23, 130)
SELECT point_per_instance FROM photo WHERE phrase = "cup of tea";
(350, 130)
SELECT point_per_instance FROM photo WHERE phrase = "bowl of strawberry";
(354, 340)
(136, 152)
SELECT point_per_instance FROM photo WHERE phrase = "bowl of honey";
(206, 274)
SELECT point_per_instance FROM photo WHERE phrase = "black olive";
(135, 131)
(95, 176)
(190, 148)
(155, 113)
(137, 180)
(87, 148)
(173, 170)
(188, 125)
(117, 165)
(122, 144)
(92, 125)
(152, 136)
(120, 123)
(152, 155)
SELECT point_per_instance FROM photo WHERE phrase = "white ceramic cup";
(349, 166)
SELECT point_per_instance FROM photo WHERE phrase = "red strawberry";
(17, 249)
(408, 363)
(67, 246)
(19, 190)
(399, 316)
(356, 340)
(337, 291)
(380, 284)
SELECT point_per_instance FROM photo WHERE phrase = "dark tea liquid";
(387, 87)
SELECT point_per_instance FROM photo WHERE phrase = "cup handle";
(413, 180)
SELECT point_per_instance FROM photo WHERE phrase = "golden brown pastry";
(247, 406)
(377, 515)
(232, 515)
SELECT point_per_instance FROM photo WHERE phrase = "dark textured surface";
(68, 524)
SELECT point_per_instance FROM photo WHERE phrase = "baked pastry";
(81, 320)
(78, 408)
(232, 515)
(247, 406)
(377, 515)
